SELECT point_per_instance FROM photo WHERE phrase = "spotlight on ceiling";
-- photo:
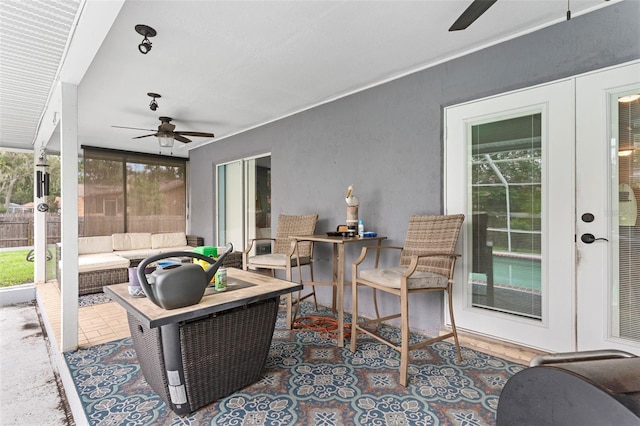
(153, 105)
(146, 31)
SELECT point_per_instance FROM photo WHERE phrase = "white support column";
(39, 226)
(69, 217)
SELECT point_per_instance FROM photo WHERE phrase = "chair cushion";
(275, 260)
(390, 277)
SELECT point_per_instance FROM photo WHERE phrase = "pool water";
(520, 273)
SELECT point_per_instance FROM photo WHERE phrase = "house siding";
(388, 140)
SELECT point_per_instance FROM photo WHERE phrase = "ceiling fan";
(473, 12)
(166, 133)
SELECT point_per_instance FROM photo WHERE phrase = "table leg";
(340, 285)
(375, 291)
(288, 321)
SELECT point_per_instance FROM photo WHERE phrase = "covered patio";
(332, 93)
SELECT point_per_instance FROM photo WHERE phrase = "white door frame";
(596, 193)
(576, 314)
(555, 332)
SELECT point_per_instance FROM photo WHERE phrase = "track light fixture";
(146, 31)
(153, 105)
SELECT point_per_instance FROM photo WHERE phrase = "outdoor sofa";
(104, 260)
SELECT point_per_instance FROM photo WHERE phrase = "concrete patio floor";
(30, 390)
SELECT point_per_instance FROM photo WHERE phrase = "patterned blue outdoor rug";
(308, 380)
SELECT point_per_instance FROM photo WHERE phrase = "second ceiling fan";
(471, 13)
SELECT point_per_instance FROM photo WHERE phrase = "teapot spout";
(211, 270)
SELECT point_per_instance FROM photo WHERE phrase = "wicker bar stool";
(286, 254)
(427, 262)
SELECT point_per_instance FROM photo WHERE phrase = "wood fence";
(16, 229)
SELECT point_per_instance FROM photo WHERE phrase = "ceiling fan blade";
(134, 128)
(201, 134)
(145, 136)
(181, 138)
(473, 12)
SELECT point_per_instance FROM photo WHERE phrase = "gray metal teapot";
(178, 285)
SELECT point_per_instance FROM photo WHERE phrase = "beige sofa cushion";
(100, 262)
(137, 254)
(132, 241)
(169, 239)
(90, 245)
(144, 253)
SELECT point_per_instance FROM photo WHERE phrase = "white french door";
(607, 196)
(549, 178)
(509, 168)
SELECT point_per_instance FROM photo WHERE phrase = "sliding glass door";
(244, 202)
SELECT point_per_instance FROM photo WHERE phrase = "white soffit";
(33, 37)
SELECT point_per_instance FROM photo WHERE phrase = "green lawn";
(16, 269)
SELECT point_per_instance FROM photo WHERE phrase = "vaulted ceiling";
(223, 66)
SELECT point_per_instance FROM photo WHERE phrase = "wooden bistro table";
(338, 243)
(195, 355)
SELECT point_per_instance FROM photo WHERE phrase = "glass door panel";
(244, 203)
(506, 201)
(230, 205)
(625, 309)
(258, 172)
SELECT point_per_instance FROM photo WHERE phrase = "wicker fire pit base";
(194, 363)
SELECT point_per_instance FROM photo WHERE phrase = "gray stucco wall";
(387, 141)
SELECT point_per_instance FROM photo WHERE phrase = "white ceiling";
(229, 66)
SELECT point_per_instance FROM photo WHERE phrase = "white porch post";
(69, 217)
(39, 228)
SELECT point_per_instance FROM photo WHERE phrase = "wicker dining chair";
(286, 254)
(427, 262)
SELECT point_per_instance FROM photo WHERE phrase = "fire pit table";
(195, 355)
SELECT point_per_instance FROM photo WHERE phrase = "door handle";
(590, 238)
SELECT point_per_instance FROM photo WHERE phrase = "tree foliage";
(16, 175)
(17, 179)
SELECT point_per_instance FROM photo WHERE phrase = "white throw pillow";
(168, 239)
(131, 241)
(91, 245)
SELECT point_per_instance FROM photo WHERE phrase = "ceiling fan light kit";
(166, 141)
(145, 31)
